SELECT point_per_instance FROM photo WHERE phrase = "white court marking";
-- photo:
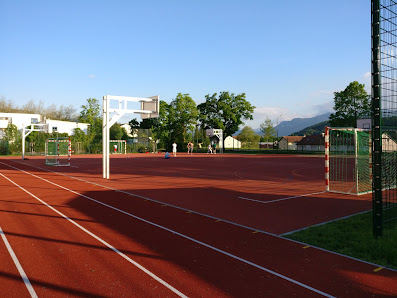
(282, 199)
(209, 216)
(155, 277)
(158, 226)
(212, 217)
(18, 265)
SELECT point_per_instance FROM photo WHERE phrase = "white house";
(65, 126)
(289, 142)
(21, 119)
(232, 143)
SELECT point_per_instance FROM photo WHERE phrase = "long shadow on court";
(177, 235)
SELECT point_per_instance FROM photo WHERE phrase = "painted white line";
(168, 230)
(283, 199)
(324, 223)
(18, 265)
(209, 216)
(155, 277)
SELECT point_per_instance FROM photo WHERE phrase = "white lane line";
(171, 231)
(18, 265)
(324, 223)
(283, 199)
(155, 277)
(208, 216)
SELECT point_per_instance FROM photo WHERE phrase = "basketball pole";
(150, 107)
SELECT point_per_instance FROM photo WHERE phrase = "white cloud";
(91, 76)
(367, 81)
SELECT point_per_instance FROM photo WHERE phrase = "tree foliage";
(267, 129)
(182, 117)
(350, 104)
(91, 114)
(226, 112)
(116, 132)
(248, 135)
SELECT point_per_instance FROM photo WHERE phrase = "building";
(266, 145)
(232, 143)
(21, 120)
(289, 142)
(312, 143)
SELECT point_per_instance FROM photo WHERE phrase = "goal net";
(58, 152)
(348, 160)
(118, 146)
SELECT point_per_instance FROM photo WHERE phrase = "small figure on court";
(188, 148)
(167, 155)
(209, 149)
(174, 149)
(191, 148)
(115, 149)
(214, 148)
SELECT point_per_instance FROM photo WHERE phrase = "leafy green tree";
(91, 113)
(226, 112)
(134, 124)
(350, 104)
(160, 129)
(267, 129)
(248, 135)
(14, 138)
(182, 117)
(117, 132)
(249, 138)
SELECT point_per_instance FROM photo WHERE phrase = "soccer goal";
(348, 160)
(58, 152)
(118, 146)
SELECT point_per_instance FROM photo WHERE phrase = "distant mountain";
(316, 129)
(287, 128)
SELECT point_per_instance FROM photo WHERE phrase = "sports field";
(196, 226)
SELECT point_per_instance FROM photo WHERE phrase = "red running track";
(191, 249)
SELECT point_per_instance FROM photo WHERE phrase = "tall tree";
(226, 112)
(247, 134)
(90, 113)
(350, 104)
(182, 117)
(267, 129)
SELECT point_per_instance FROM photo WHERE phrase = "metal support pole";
(23, 141)
(105, 138)
(376, 121)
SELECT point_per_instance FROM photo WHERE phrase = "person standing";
(174, 149)
(191, 148)
(188, 148)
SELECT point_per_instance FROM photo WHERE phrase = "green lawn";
(353, 237)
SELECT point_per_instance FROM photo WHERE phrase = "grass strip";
(353, 237)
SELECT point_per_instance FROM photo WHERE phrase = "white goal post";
(118, 146)
(58, 151)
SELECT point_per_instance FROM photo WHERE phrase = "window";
(34, 120)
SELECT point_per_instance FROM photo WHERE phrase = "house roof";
(292, 139)
(312, 140)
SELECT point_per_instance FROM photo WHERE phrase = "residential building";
(289, 142)
(312, 143)
(232, 143)
(22, 119)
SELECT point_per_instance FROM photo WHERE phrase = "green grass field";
(353, 237)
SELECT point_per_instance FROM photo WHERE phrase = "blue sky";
(287, 56)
